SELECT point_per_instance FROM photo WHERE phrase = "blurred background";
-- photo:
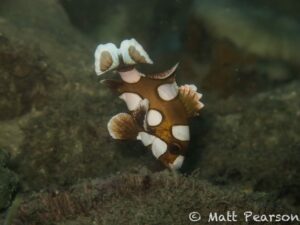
(244, 56)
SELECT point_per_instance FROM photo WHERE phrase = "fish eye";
(175, 148)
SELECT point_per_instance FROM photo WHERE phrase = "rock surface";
(253, 142)
(135, 198)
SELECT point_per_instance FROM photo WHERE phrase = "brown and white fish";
(159, 110)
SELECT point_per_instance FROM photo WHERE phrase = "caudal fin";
(133, 53)
(108, 57)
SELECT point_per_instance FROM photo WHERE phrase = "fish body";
(159, 110)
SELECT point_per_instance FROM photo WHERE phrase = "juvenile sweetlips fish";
(159, 110)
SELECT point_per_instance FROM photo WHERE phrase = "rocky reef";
(58, 164)
(135, 198)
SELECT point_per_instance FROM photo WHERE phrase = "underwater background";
(58, 164)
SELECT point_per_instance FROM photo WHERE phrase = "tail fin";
(122, 126)
(108, 57)
(133, 53)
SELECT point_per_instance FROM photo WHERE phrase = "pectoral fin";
(123, 126)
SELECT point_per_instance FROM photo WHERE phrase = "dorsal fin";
(166, 74)
(190, 98)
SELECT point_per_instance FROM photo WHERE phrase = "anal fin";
(191, 99)
(123, 126)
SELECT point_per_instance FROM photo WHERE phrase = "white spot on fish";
(159, 147)
(168, 91)
(154, 117)
(177, 163)
(181, 132)
(131, 76)
(132, 100)
(147, 139)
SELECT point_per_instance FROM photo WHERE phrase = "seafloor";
(58, 164)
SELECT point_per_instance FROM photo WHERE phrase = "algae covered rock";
(140, 198)
(45, 25)
(47, 77)
(254, 142)
(70, 141)
(26, 78)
